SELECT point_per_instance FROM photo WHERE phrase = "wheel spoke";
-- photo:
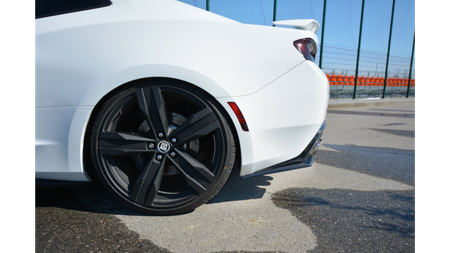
(147, 185)
(152, 105)
(197, 126)
(120, 143)
(197, 175)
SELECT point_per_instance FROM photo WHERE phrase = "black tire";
(162, 146)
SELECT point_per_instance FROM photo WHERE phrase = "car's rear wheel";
(163, 147)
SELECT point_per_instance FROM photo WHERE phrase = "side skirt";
(45, 183)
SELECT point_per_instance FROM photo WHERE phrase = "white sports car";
(162, 99)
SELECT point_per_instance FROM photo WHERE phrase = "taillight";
(239, 115)
(307, 47)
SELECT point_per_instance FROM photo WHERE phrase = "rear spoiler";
(302, 24)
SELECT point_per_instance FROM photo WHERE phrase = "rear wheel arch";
(87, 156)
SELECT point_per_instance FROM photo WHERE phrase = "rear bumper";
(305, 159)
(283, 117)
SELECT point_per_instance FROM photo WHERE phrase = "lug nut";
(174, 140)
(172, 154)
(160, 135)
(159, 157)
(151, 145)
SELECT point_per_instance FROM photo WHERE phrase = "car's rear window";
(46, 8)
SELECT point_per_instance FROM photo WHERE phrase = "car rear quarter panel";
(82, 61)
(81, 57)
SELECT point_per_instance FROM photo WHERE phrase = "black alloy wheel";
(162, 146)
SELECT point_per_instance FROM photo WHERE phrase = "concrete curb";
(364, 102)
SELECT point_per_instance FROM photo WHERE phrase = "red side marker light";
(239, 115)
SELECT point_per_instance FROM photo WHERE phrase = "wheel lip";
(188, 201)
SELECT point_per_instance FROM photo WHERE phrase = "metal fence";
(366, 46)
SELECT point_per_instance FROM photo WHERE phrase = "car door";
(50, 120)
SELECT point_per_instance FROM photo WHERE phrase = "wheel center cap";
(163, 146)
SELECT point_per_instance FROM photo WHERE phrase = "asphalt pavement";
(359, 196)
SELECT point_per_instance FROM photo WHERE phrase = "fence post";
(274, 11)
(389, 50)
(410, 65)
(323, 32)
(359, 50)
(207, 5)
